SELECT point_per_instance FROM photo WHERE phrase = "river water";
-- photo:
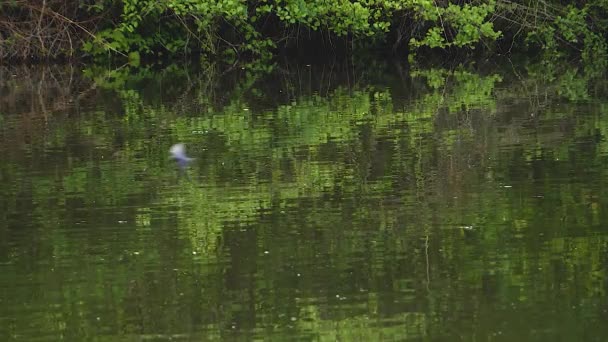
(369, 202)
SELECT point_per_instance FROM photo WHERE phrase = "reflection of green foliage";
(549, 78)
(471, 91)
(349, 215)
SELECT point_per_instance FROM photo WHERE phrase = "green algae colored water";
(326, 203)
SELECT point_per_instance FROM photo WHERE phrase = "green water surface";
(377, 202)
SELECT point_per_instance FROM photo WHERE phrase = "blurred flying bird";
(178, 152)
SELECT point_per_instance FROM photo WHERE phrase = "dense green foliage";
(231, 28)
(365, 203)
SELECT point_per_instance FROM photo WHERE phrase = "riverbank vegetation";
(235, 29)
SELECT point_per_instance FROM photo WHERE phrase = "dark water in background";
(326, 202)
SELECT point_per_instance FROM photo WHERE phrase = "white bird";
(178, 152)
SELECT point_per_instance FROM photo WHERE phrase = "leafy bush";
(231, 28)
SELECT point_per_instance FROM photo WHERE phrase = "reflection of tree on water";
(42, 90)
(321, 212)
